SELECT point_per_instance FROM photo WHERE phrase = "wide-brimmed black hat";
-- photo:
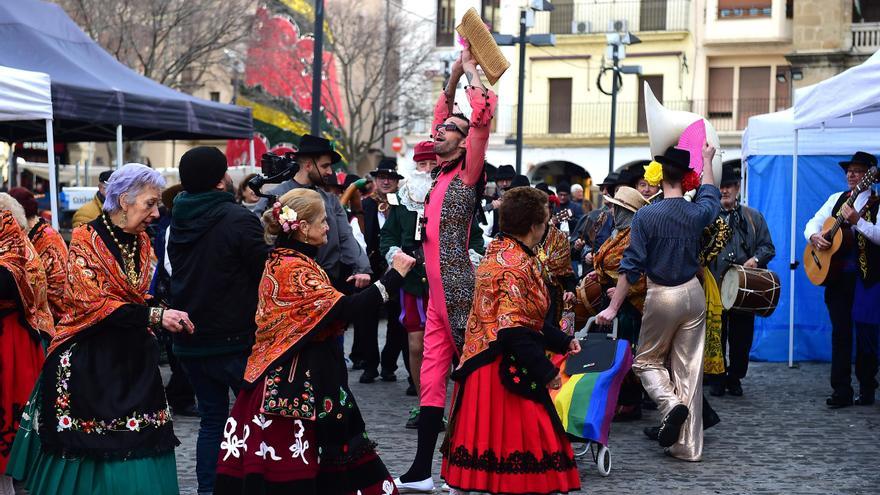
(505, 172)
(612, 179)
(315, 146)
(519, 180)
(731, 172)
(387, 166)
(675, 157)
(860, 158)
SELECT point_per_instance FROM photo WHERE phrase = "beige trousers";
(669, 358)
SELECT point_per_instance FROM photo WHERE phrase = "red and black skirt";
(283, 451)
(503, 442)
(20, 364)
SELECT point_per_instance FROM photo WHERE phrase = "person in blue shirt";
(664, 245)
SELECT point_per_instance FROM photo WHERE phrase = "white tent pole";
(119, 146)
(53, 174)
(89, 162)
(793, 261)
(253, 160)
(10, 166)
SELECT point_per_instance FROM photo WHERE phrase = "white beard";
(412, 194)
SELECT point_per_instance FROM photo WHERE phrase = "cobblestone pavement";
(778, 438)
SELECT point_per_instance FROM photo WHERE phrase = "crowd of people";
(253, 295)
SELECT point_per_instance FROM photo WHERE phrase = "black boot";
(430, 426)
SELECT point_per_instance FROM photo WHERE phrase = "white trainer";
(423, 486)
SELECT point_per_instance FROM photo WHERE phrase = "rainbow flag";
(586, 401)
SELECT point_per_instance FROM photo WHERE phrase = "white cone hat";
(666, 126)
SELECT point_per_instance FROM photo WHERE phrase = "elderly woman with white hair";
(24, 321)
(97, 421)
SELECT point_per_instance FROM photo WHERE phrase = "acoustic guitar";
(823, 267)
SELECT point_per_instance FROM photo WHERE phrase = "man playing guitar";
(851, 297)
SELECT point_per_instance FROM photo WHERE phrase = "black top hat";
(505, 172)
(675, 157)
(860, 158)
(387, 167)
(731, 172)
(315, 146)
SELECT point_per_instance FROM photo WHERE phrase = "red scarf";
(18, 256)
(295, 294)
(509, 292)
(96, 284)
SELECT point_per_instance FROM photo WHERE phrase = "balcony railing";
(866, 37)
(600, 16)
(594, 119)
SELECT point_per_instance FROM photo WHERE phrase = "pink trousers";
(438, 355)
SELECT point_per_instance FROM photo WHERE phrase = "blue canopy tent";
(791, 163)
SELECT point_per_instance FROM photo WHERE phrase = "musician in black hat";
(594, 228)
(750, 245)
(852, 297)
(665, 241)
(563, 192)
(341, 254)
(503, 178)
(366, 341)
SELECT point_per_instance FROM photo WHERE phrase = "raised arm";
(483, 103)
(443, 107)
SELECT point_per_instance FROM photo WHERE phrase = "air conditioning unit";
(581, 27)
(618, 26)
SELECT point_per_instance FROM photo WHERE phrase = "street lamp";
(616, 52)
(526, 20)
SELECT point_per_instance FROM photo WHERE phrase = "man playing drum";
(750, 245)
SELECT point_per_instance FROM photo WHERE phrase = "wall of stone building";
(822, 25)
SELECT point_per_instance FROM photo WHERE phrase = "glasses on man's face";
(449, 126)
(856, 171)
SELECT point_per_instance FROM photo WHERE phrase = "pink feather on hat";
(692, 139)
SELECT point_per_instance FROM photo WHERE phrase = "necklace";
(128, 253)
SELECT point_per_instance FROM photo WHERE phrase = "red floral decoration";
(690, 181)
(553, 200)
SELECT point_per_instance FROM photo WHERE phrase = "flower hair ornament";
(654, 173)
(285, 216)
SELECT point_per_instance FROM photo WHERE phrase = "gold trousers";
(669, 357)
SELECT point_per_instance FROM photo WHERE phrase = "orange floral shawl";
(96, 284)
(555, 254)
(510, 292)
(607, 262)
(19, 257)
(53, 253)
(295, 294)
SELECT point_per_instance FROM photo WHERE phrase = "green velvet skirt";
(46, 474)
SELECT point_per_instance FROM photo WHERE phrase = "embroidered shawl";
(18, 256)
(53, 253)
(510, 292)
(555, 255)
(295, 294)
(96, 283)
(607, 262)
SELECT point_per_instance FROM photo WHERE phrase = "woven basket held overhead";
(483, 46)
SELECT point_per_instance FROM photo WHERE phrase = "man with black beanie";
(217, 253)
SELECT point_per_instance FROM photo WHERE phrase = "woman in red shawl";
(49, 245)
(504, 435)
(97, 421)
(24, 321)
(295, 426)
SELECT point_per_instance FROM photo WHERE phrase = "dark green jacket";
(400, 229)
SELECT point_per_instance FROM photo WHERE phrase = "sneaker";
(670, 429)
(447, 488)
(423, 486)
(413, 422)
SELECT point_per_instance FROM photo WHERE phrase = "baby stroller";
(587, 399)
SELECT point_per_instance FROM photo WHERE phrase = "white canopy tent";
(26, 95)
(837, 116)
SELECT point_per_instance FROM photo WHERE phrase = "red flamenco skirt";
(21, 358)
(275, 454)
(501, 442)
